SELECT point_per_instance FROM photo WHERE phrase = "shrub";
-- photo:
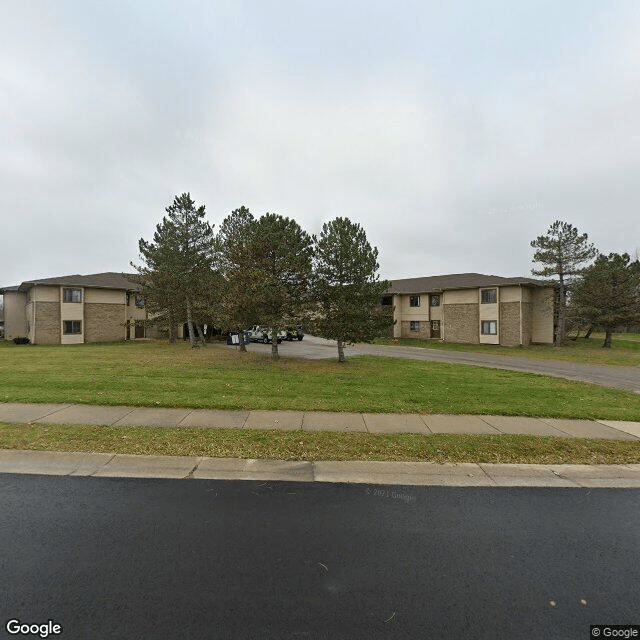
(21, 340)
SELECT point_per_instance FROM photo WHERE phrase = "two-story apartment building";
(474, 308)
(102, 307)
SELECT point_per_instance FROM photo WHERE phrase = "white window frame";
(488, 291)
(72, 323)
(72, 291)
(416, 299)
(488, 324)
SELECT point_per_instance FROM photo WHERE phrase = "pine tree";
(562, 252)
(233, 241)
(279, 255)
(608, 294)
(347, 287)
(177, 261)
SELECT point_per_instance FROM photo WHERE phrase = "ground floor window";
(489, 328)
(72, 326)
(414, 325)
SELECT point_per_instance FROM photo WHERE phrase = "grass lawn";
(217, 377)
(624, 352)
(297, 445)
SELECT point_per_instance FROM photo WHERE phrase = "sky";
(454, 132)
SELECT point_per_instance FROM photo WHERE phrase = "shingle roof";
(459, 281)
(109, 280)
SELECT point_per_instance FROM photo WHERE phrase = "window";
(489, 328)
(435, 300)
(414, 325)
(72, 326)
(139, 302)
(489, 296)
(414, 301)
(72, 295)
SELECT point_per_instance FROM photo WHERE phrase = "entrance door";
(139, 330)
(435, 329)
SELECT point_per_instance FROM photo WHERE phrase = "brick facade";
(509, 324)
(526, 324)
(104, 322)
(423, 334)
(461, 323)
(48, 323)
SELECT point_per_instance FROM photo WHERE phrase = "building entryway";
(435, 329)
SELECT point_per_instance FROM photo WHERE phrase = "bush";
(21, 340)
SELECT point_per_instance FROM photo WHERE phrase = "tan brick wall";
(509, 325)
(104, 322)
(461, 323)
(423, 334)
(48, 328)
(526, 324)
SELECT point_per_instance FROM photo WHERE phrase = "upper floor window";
(414, 301)
(139, 302)
(489, 296)
(435, 300)
(72, 295)
(386, 301)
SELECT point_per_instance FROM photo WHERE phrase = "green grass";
(624, 352)
(159, 374)
(323, 445)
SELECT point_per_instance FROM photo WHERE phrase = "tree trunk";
(588, 334)
(190, 325)
(200, 333)
(608, 335)
(243, 346)
(172, 327)
(341, 357)
(274, 344)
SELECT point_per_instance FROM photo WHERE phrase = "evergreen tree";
(279, 257)
(347, 287)
(608, 294)
(177, 261)
(562, 253)
(237, 300)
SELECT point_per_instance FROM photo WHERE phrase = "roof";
(433, 284)
(109, 280)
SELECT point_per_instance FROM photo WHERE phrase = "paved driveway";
(624, 378)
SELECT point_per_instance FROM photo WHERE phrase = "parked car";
(233, 337)
(295, 333)
(259, 333)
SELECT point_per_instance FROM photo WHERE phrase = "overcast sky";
(454, 132)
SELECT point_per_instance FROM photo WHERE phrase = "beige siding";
(15, 318)
(509, 294)
(542, 315)
(104, 296)
(43, 293)
(462, 296)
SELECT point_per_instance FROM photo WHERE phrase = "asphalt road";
(614, 377)
(125, 558)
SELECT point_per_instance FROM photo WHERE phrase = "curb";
(108, 465)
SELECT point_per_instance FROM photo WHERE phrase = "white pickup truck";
(259, 333)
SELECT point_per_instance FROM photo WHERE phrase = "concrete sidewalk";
(385, 473)
(315, 421)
